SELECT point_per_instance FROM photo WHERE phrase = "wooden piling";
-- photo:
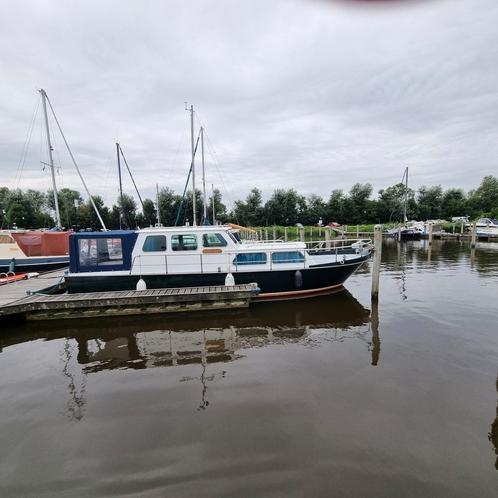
(285, 233)
(301, 234)
(376, 261)
(357, 231)
(327, 238)
(474, 235)
(274, 233)
(430, 233)
(461, 228)
(374, 320)
(266, 234)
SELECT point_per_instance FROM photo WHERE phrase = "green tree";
(128, 210)
(335, 206)
(69, 201)
(485, 198)
(283, 207)
(430, 200)
(168, 205)
(454, 203)
(88, 216)
(149, 213)
(391, 203)
(316, 209)
(357, 203)
(250, 212)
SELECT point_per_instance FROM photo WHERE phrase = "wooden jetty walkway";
(121, 303)
(18, 290)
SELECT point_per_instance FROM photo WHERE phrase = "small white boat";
(486, 227)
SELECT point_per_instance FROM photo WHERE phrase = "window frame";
(248, 263)
(176, 247)
(222, 242)
(152, 236)
(289, 261)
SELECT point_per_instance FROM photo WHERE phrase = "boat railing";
(226, 261)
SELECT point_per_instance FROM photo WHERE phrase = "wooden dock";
(17, 290)
(122, 303)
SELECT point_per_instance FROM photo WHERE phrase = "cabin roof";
(190, 228)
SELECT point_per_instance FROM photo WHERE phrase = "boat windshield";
(235, 237)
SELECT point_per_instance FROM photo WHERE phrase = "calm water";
(312, 398)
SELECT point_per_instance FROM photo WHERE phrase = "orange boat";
(33, 250)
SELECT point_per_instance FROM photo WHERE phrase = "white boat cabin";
(200, 249)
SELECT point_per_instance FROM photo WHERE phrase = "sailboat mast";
(51, 159)
(406, 195)
(194, 207)
(120, 185)
(212, 198)
(203, 175)
(157, 206)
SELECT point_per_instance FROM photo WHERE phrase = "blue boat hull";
(35, 264)
(281, 284)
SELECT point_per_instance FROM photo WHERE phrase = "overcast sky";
(311, 94)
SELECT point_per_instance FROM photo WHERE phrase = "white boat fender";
(229, 280)
(141, 285)
(33, 275)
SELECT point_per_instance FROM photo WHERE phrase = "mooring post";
(266, 234)
(376, 261)
(357, 231)
(430, 233)
(327, 238)
(285, 234)
(320, 232)
(399, 232)
(301, 234)
(374, 320)
(274, 233)
(461, 228)
(311, 234)
(474, 235)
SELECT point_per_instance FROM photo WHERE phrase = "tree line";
(34, 209)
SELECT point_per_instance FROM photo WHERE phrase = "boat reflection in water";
(134, 343)
(107, 344)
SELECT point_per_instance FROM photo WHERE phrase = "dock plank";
(43, 307)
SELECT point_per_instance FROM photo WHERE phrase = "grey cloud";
(301, 94)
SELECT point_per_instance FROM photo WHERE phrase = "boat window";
(100, 252)
(230, 234)
(287, 257)
(213, 240)
(250, 258)
(154, 243)
(184, 242)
